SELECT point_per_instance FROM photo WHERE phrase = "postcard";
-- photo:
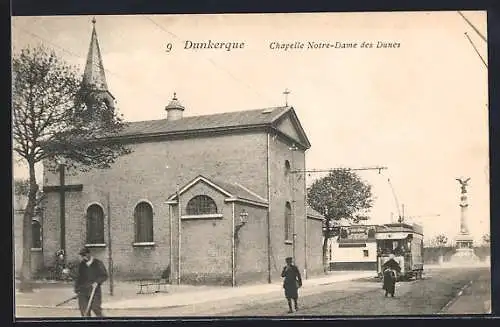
(276, 165)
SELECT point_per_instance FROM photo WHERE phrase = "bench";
(148, 286)
(153, 286)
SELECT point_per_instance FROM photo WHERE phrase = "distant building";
(355, 248)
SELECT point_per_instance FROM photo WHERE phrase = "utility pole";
(293, 148)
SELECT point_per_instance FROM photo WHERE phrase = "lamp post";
(235, 240)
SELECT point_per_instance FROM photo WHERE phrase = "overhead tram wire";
(470, 40)
(135, 85)
(474, 46)
(210, 60)
(473, 27)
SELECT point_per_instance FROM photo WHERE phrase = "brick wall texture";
(154, 171)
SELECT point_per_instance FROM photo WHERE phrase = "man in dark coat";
(291, 283)
(91, 273)
(389, 268)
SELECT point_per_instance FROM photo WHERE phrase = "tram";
(406, 243)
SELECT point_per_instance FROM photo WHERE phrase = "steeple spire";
(94, 80)
(94, 69)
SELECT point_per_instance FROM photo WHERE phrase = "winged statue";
(463, 184)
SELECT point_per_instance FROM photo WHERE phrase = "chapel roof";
(219, 120)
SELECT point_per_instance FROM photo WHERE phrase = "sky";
(419, 109)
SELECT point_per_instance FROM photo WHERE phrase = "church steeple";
(94, 69)
(94, 78)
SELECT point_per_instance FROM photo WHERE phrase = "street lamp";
(243, 217)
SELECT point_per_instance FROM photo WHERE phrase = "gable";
(286, 127)
(232, 192)
(289, 125)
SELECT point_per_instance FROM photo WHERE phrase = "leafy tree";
(440, 240)
(22, 187)
(339, 195)
(53, 117)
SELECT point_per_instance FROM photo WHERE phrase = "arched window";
(95, 224)
(36, 235)
(288, 221)
(201, 205)
(143, 218)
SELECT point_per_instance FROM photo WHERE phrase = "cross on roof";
(286, 93)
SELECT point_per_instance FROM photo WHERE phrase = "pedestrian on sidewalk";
(291, 283)
(91, 274)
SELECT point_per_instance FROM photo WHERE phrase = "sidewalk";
(160, 300)
(474, 299)
(125, 296)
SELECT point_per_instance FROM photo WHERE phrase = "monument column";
(464, 241)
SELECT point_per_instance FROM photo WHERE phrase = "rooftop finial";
(286, 93)
(174, 109)
(93, 20)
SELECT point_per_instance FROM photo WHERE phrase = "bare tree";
(440, 242)
(54, 116)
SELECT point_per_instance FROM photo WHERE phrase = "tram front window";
(397, 247)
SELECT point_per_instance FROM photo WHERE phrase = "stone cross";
(62, 188)
(286, 93)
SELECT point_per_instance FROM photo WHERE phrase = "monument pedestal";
(464, 250)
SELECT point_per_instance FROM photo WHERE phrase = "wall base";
(370, 265)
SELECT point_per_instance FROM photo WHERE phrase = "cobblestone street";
(437, 291)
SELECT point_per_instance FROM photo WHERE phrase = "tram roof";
(400, 227)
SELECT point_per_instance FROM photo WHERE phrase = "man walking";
(91, 274)
(291, 283)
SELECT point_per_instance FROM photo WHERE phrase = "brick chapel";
(218, 199)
